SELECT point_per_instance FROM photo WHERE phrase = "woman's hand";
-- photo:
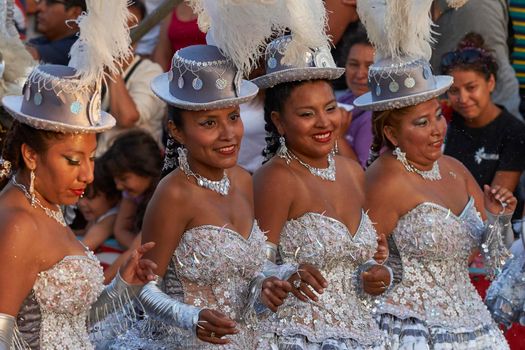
(499, 200)
(307, 276)
(213, 325)
(376, 280)
(137, 270)
(274, 292)
(382, 249)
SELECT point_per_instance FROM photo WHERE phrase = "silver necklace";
(431, 175)
(222, 186)
(53, 214)
(323, 173)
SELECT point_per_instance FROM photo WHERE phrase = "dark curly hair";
(137, 152)
(19, 134)
(274, 101)
(470, 54)
(171, 160)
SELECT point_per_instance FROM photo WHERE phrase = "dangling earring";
(282, 152)
(169, 159)
(183, 157)
(32, 188)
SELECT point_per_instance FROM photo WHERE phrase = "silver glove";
(164, 308)
(117, 295)
(7, 331)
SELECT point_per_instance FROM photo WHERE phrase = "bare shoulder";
(240, 176)
(385, 175)
(19, 230)
(351, 168)
(455, 165)
(172, 188)
(275, 180)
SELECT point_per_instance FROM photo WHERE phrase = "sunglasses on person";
(453, 58)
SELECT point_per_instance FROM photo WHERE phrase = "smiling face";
(65, 169)
(212, 138)
(469, 95)
(419, 132)
(309, 121)
(360, 58)
(135, 185)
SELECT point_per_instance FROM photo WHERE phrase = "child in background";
(135, 162)
(99, 206)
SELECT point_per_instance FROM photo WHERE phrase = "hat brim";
(297, 74)
(443, 83)
(13, 105)
(160, 85)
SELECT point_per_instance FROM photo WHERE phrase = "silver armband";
(117, 295)
(271, 252)
(164, 308)
(7, 331)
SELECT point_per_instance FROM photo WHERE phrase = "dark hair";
(380, 119)
(136, 152)
(274, 101)
(103, 180)
(470, 54)
(139, 5)
(72, 3)
(358, 37)
(171, 160)
(20, 134)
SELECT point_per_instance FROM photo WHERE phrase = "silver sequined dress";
(54, 316)
(340, 319)
(211, 268)
(435, 306)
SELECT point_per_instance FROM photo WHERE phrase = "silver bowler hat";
(401, 83)
(318, 64)
(52, 100)
(202, 78)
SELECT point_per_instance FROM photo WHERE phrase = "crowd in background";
(482, 45)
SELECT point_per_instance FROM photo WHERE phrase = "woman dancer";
(301, 200)
(51, 284)
(438, 223)
(210, 251)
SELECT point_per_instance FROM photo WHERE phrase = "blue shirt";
(54, 52)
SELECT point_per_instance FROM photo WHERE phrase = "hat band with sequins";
(52, 100)
(213, 78)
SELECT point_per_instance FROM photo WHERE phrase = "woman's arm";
(163, 51)
(125, 221)
(99, 232)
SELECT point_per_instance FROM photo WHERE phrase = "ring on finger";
(297, 283)
(212, 335)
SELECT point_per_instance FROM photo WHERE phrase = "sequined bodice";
(215, 266)
(434, 245)
(64, 294)
(327, 244)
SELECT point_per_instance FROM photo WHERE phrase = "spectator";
(482, 135)
(59, 32)
(99, 206)
(360, 56)
(129, 98)
(135, 163)
(177, 31)
(147, 43)
(490, 19)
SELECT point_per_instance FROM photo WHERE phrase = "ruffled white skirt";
(413, 334)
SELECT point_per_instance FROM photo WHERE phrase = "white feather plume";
(17, 60)
(241, 29)
(104, 41)
(307, 21)
(398, 28)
